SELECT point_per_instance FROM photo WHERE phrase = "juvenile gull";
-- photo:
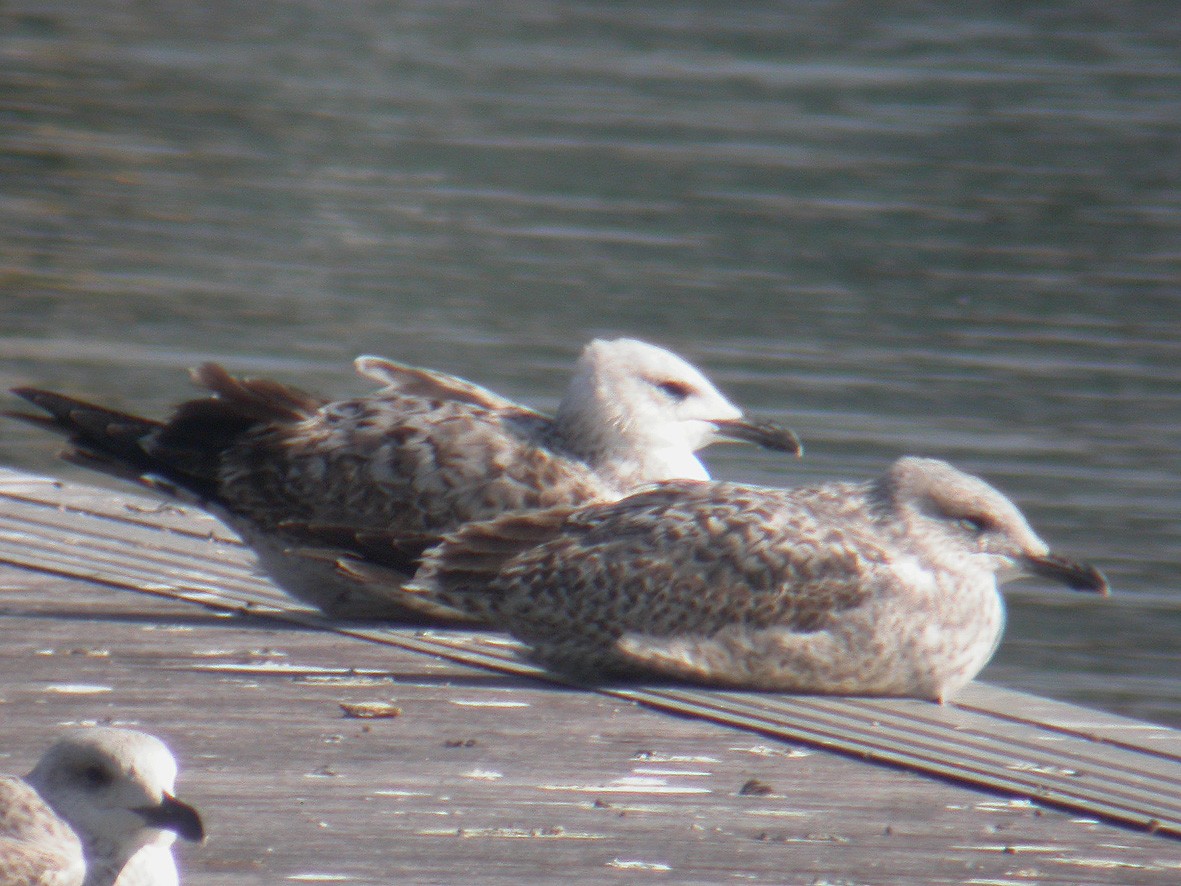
(96, 810)
(882, 588)
(420, 457)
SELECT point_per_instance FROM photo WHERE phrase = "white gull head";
(638, 413)
(114, 788)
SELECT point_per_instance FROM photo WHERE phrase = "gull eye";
(975, 525)
(95, 776)
(676, 390)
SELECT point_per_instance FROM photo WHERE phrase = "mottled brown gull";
(882, 588)
(97, 810)
(420, 457)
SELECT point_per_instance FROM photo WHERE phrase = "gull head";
(957, 520)
(633, 401)
(114, 787)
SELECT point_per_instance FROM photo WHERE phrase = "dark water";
(902, 230)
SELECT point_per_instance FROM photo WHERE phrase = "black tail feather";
(187, 450)
(209, 425)
(103, 434)
(116, 443)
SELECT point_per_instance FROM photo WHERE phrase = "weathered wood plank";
(491, 778)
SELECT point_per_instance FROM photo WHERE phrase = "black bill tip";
(762, 433)
(1076, 576)
(173, 815)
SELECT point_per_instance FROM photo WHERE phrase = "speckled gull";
(882, 588)
(421, 456)
(97, 810)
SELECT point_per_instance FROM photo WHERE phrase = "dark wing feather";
(400, 553)
(101, 438)
(187, 449)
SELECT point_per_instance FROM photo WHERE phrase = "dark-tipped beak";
(762, 433)
(1076, 576)
(173, 815)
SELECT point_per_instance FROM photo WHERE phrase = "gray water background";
(900, 228)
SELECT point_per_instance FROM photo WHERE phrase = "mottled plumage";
(881, 588)
(36, 847)
(420, 457)
(97, 810)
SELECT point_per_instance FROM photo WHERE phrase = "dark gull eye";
(677, 390)
(95, 776)
(975, 525)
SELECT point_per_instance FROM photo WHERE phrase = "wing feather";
(429, 384)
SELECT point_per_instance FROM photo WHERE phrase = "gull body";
(97, 810)
(881, 588)
(423, 455)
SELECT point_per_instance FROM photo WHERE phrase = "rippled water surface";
(915, 231)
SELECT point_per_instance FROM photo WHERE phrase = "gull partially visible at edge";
(97, 810)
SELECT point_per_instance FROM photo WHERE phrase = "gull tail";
(467, 561)
(449, 577)
(381, 562)
(180, 456)
(103, 439)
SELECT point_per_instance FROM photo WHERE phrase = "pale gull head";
(633, 409)
(114, 788)
(958, 521)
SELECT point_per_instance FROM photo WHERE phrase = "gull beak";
(1076, 576)
(173, 815)
(762, 433)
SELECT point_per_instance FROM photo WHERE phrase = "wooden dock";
(482, 772)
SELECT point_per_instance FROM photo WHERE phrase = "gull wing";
(430, 384)
(36, 847)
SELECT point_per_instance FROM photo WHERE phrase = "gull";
(886, 588)
(97, 810)
(423, 455)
